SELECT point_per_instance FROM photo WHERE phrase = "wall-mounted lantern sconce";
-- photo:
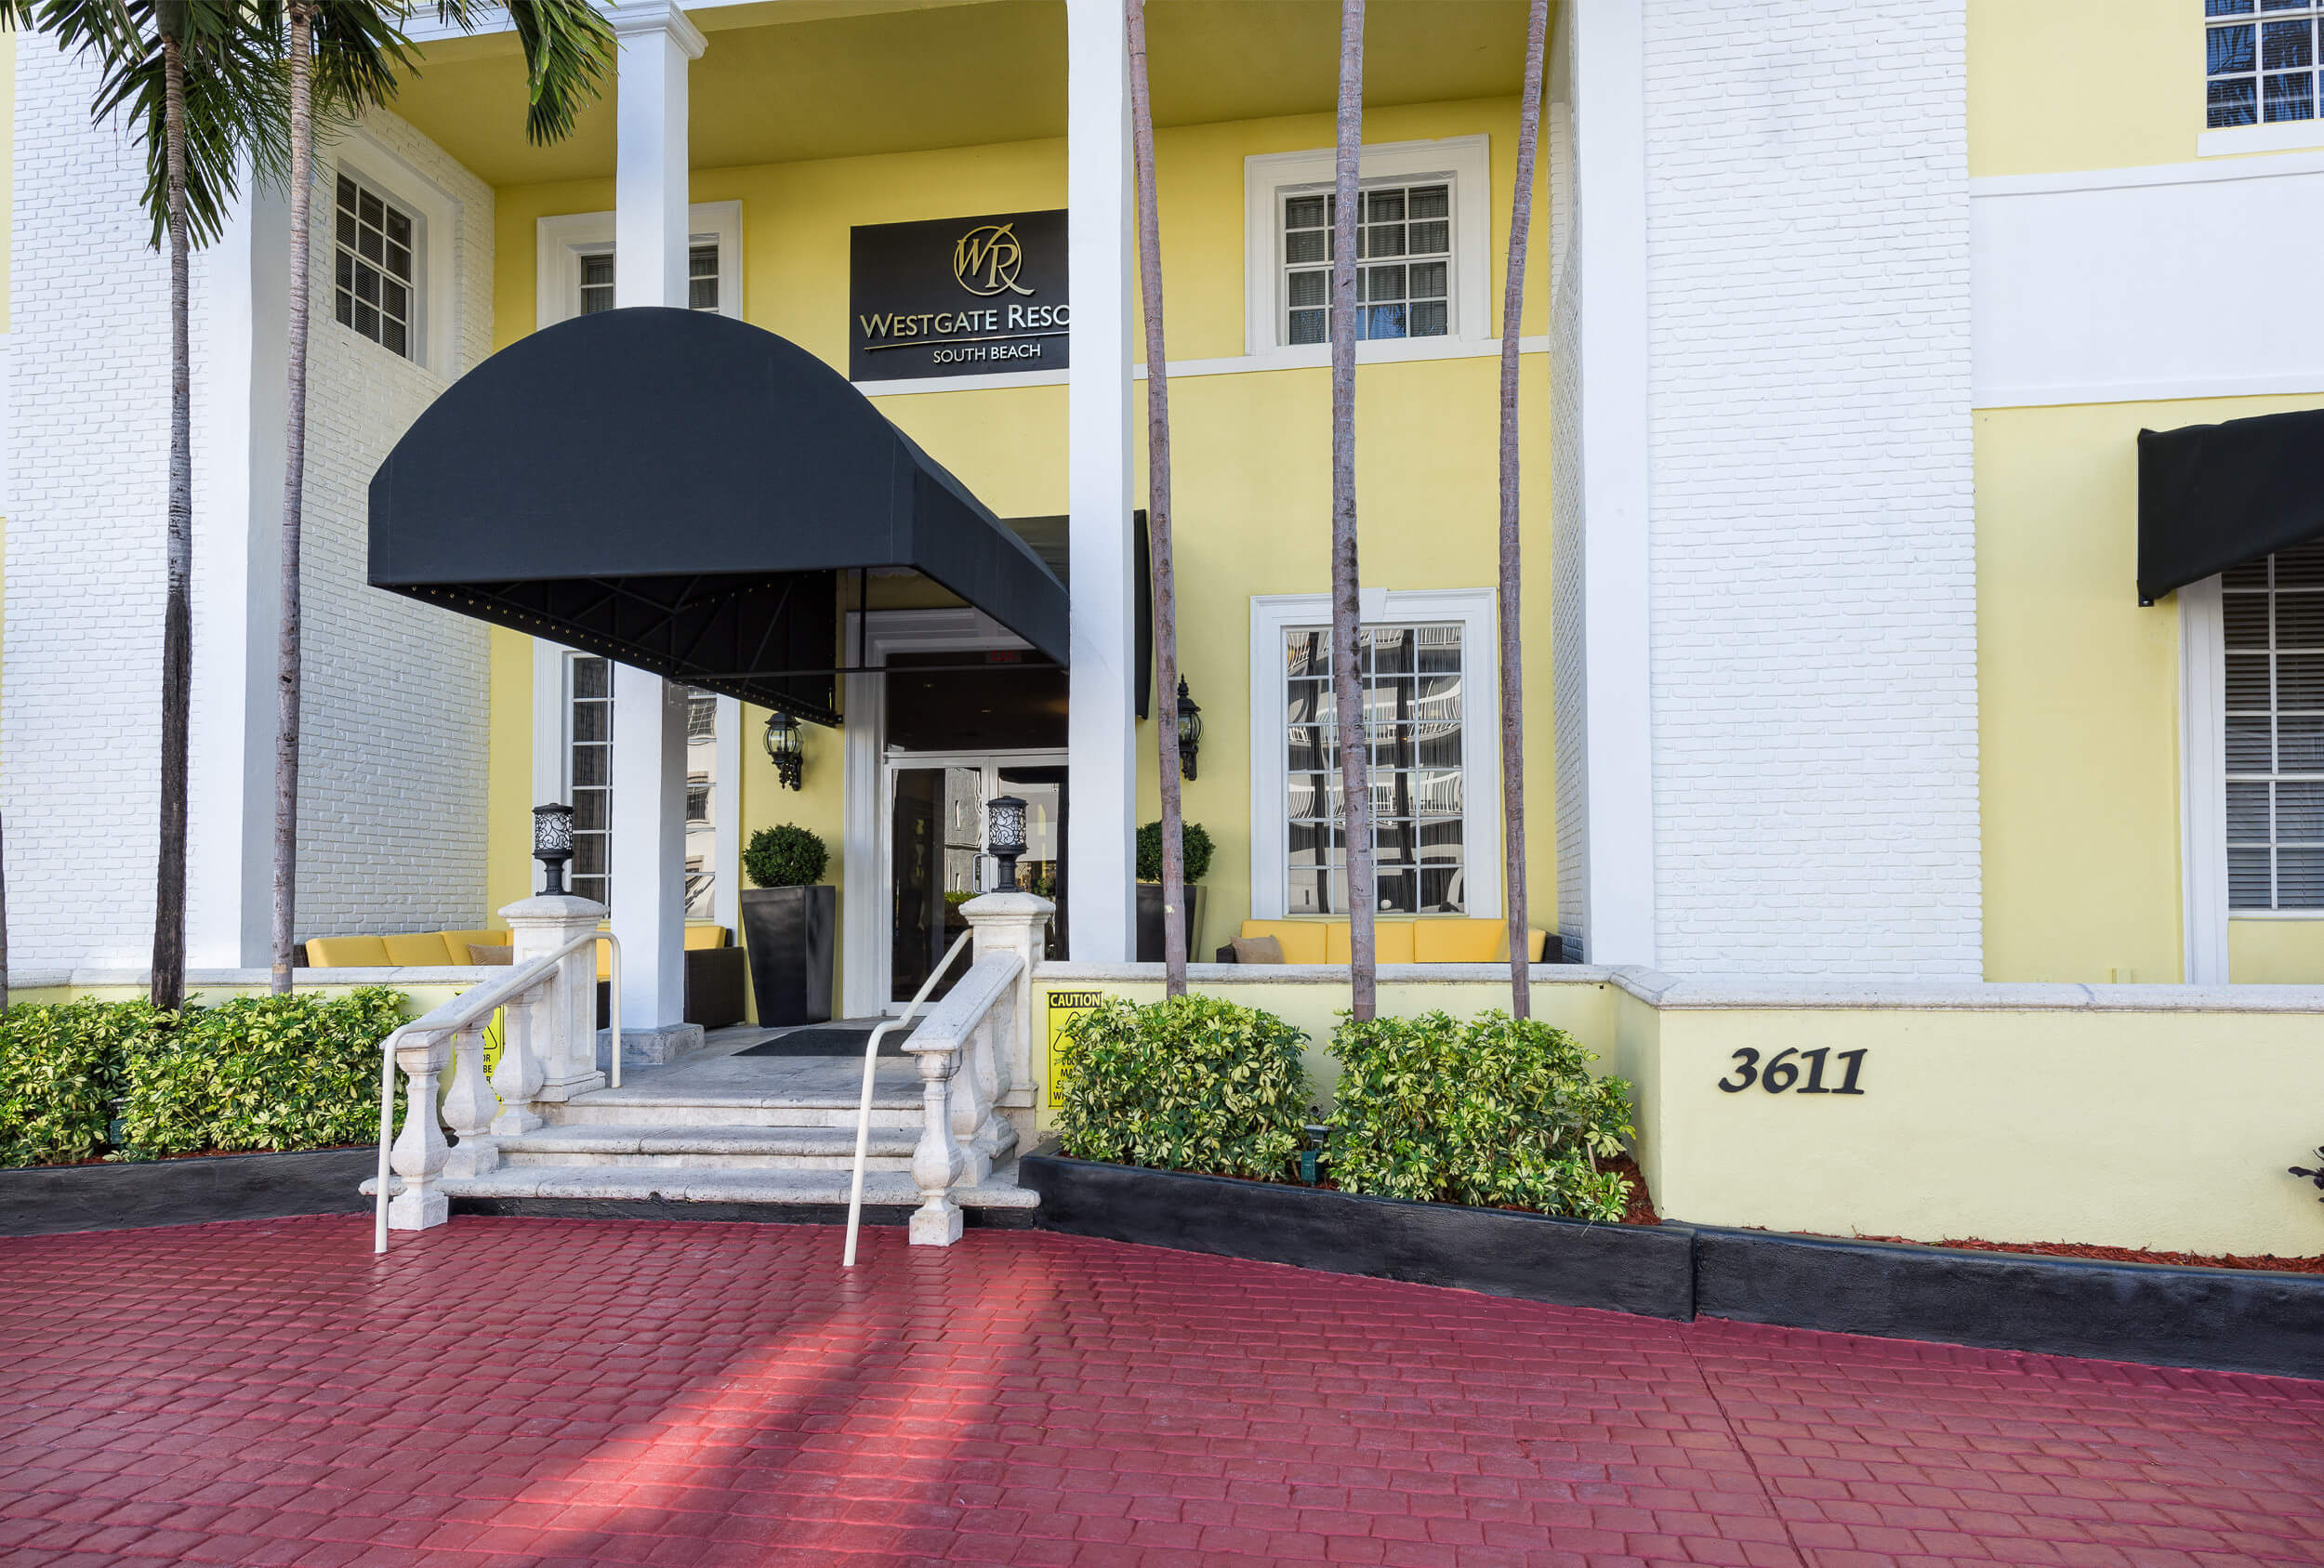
(553, 844)
(1004, 836)
(1189, 730)
(785, 749)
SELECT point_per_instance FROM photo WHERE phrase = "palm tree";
(344, 56)
(1512, 663)
(1158, 512)
(1346, 677)
(199, 90)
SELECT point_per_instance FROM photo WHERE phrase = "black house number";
(1782, 1072)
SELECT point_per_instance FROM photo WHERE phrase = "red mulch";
(2266, 1262)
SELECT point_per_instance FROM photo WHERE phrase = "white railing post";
(936, 1162)
(470, 1106)
(566, 1040)
(420, 1151)
(517, 1080)
(1014, 923)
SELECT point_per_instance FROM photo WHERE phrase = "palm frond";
(236, 105)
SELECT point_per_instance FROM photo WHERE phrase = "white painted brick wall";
(391, 824)
(1814, 560)
(88, 448)
(391, 806)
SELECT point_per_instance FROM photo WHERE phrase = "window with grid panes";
(372, 269)
(2274, 613)
(702, 279)
(591, 779)
(1403, 252)
(1412, 704)
(2261, 59)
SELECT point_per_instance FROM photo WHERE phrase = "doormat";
(829, 1039)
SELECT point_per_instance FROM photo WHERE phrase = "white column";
(649, 844)
(651, 185)
(240, 362)
(651, 177)
(1104, 778)
(1610, 153)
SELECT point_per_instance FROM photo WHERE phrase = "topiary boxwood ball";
(787, 856)
(1191, 839)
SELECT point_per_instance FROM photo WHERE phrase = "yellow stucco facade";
(1252, 446)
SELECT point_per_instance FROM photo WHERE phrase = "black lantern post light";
(1189, 730)
(786, 750)
(553, 844)
(1004, 836)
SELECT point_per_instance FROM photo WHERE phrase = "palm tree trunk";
(1346, 677)
(286, 673)
(1158, 513)
(1512, 614)
(169, 991)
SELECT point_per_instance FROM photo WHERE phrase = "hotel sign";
(958, 297)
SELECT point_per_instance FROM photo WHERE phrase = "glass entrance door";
(937, 859)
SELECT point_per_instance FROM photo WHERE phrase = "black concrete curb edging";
(2229, 1320)
(49, 1200)
(1565, 1262)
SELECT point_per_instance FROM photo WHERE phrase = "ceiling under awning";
(2215, 497)
(680, 491)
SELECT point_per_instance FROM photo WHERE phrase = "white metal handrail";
(476, 1002)
(862, 1108)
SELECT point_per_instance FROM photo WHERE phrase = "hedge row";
(1490, 1111)
(84, 1079)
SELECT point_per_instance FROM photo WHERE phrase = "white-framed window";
(1422, 242)
(589, 773)
(2272, 617)
(2261, 61)
(1431, 713)
(577, 264)
(375, 282)
(1404, 254)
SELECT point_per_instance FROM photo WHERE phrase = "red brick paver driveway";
(511, 1393)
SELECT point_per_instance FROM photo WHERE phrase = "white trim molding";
(2285, 135)
(2060, 261)
(563, 240)
(2203, 783)
(1274, 614)
(1465, 161)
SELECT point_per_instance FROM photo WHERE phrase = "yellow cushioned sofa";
(715, 972)
(1438, 940)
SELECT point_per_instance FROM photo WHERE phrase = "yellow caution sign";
(1063, 1007)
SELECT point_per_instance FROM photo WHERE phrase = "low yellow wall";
(2033, 1117)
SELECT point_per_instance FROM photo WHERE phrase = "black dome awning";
(680, 491)
(2214, 497)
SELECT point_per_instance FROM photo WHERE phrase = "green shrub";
(787, 856)
(1493, 1112)
(1192, 838)
(297, 1072)
(60, 1068)
(1190, 1084)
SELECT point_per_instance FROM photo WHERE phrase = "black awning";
(2212, 496)
(678, 490)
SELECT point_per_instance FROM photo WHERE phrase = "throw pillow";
(502, 954)
(1258, 950)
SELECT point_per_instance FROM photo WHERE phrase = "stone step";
(819, 1188)
(714, 1108)
(727, 1147)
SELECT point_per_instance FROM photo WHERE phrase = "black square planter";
(790, 933)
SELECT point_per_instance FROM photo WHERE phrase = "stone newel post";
(565, 1038)
(1013, 922)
